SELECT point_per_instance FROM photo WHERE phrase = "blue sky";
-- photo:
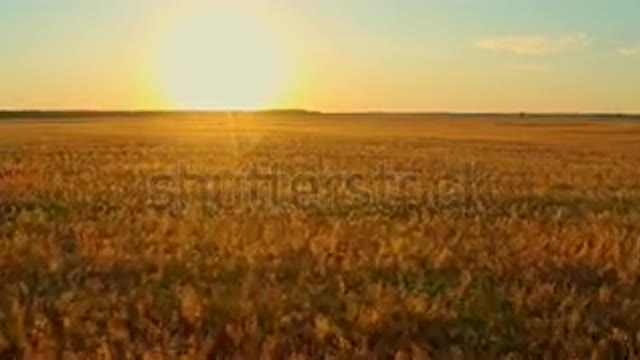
(490, 55)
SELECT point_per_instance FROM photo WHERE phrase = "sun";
(221, 60)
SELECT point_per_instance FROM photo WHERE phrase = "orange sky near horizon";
(330, 56)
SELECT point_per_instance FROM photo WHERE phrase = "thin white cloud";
(532, 68)
(629, 51)
(533, 44)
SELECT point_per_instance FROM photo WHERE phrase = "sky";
(328, 55)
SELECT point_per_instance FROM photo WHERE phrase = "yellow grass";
(515, 238)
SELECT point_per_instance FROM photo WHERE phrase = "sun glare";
(221, 61)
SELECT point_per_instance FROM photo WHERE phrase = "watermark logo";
(276, 188)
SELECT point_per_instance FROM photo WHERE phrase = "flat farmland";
(319, 236)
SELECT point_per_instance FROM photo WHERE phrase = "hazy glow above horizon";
(221, 60)
(349, 55)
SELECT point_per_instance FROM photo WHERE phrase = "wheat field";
(302, 236)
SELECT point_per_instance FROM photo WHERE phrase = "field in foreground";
(310, 236)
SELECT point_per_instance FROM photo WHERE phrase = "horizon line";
(79, 112)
